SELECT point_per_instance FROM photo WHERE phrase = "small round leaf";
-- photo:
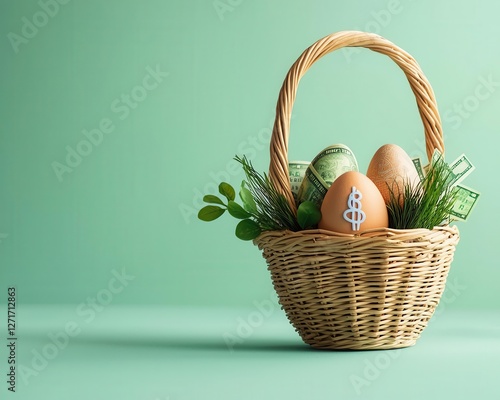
(210, 198)
(247, 229)
(308, 215)
(209, 213)
(237, 211)
(247, 199)
(227, 190)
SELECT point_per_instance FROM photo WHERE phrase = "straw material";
(366, 292)
(375, 290)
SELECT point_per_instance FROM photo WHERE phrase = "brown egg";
(353, 204)
(392, 168)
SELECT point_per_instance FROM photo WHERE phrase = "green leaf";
(247, 229)
(227, 190)
(210, 198)
(209, 213)
(237, 211)
(247, 199)
(308, 215)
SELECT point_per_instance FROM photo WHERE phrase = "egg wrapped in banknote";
(324, 169)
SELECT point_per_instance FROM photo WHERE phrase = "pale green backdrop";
(202, 79)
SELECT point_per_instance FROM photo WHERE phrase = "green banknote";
(297, 171)
(460, 169)
(464, 203)
(419, 167)
(313, 188)
(466, 197)
(327, 166)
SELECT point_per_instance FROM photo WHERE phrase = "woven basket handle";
(426, 102)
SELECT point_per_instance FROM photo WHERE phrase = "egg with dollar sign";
(353, 204)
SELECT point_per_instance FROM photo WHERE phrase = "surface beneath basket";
(160, 353)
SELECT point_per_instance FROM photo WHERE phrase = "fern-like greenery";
(273, 210)
(425, 205)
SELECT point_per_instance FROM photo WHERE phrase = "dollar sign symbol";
(357, 215)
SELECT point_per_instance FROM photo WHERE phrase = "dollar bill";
(327, 166)
(313, 188)
(333, 162)
(437, 157)
(296, 171)
(420, 169)
(466, 199)
(461, 168)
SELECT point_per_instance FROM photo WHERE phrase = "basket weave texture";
(374, 290)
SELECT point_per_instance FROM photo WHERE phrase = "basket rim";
(369, 234)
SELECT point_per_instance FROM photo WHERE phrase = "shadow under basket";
(359, 292)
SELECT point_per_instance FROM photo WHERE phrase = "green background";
(130, 204)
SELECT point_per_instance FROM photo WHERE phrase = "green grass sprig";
(273, 210)
(425, 205)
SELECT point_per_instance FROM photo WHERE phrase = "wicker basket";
(375, 290)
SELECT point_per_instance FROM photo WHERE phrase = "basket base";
(365, 335)
(343, 292)
(362, 347)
